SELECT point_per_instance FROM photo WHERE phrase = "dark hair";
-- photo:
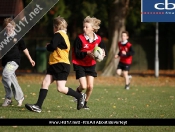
(126, 33)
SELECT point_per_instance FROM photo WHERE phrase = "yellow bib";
(61, 55)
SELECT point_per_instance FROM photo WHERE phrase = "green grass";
(107, 101)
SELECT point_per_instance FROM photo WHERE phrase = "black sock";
(85, 103)
(41, 97)
(73, 93)
(78, 90)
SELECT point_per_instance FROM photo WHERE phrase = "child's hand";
(123, 52)
(90, 54)
(32, 62)
(116, 56)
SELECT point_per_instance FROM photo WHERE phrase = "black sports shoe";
(85, 107)
(84, 97)
(127, 87)
(80, 102)
(33, 107)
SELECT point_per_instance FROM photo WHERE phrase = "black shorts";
(82, 71)
(59, 71)
(124, 67)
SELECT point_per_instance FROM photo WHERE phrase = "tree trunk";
(118, 13)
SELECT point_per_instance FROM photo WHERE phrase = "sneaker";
(84, 97)
(80, 102)
(127, 87)
(7, 102)
(32, 107)
(85, 107)
(20, 101)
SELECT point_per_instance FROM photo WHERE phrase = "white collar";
(124, 42)
(10, 35)
(90, 40)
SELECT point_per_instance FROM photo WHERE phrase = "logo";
(165, 6)
(24, 21)
(157, 10)
(86, 46)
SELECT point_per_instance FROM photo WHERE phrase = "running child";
(82, 56)
(125, 53)
(59, 67)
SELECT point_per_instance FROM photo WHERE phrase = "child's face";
(124, 36)
(9, 28)
(87, 28)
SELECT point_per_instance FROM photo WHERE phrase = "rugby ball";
(98, 54)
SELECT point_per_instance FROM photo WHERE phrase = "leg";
(7, 88)
(17, 91)
(119, 69)
(61, 86)
(47, 81)
(125, 74)
(44, 89)
(69, 91)
(127, 79)
(80, 75)
(119, 72)
(42, 94)
(83, 84)
(8, 71)
(7, 75)
(90, 84)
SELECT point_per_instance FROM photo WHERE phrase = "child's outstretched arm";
(26, 52)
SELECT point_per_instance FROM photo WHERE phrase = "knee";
(61, 89)
(119, 72)
(84, 86)
(5, 75)
(45, 84)
(90, 87)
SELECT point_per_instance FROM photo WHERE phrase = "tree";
(117, 15)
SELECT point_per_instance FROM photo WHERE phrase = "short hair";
(59, 23)
(8, 20)
(94, 22)
(127, 33)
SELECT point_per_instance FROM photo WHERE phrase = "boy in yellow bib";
(59, 67)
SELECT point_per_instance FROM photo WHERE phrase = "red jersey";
(123, 58)
(86, 46)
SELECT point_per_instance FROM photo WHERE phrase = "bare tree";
(117, 16)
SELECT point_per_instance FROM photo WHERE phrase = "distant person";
(10, 63)
(82, 56)
(59, 67)
(125, 53)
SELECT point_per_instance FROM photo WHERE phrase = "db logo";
(165, 6)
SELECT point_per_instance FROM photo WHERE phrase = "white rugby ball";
(98, 54)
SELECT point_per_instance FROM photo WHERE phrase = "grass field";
(148, 97)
